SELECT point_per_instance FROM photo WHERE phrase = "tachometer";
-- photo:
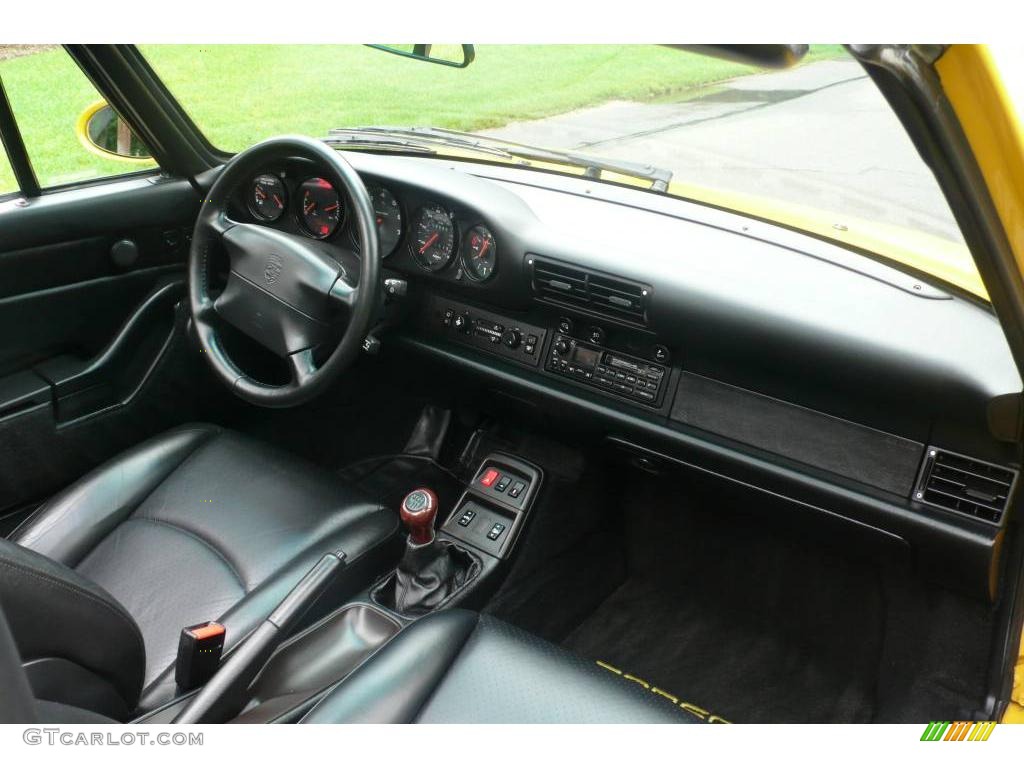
(320, 207)
(433, 243)
(267, 197)
(388, 214)
(479, 254)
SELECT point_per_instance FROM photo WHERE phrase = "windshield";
(815, 147)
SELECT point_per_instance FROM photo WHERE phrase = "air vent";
(610, 297)
(962, 484)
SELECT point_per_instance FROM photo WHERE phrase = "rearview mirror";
(102, 131)
(768, 56)
(449, 55)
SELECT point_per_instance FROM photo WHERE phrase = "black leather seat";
(461, 667)
(197, 524)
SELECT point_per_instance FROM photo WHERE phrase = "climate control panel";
(488, 331)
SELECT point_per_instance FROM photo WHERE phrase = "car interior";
(327, 436)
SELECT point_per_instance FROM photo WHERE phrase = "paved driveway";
(819, 135)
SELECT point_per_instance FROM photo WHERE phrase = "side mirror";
(449, 55)
(102, 131)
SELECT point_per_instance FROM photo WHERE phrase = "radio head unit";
(629, 377)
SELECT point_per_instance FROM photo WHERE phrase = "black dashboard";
(680, 333)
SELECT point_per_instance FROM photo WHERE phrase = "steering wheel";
(288, 292)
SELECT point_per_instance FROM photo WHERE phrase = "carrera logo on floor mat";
(961, 730)
(693, 709)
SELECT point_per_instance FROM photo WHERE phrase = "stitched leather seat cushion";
(461, 667)
(200, 524)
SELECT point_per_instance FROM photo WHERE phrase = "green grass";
(241, 94)
(47, 93)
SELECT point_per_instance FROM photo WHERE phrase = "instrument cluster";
(313, 207)
(435, 242)
(318, 210)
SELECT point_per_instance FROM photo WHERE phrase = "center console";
(491, 513)
(468, 550)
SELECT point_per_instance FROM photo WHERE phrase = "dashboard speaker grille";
(611, 297)
(962, 484)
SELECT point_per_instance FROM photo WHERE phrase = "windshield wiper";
(356, 137)
(392, 138)
(592, 166)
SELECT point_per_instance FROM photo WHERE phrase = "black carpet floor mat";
(739, 612)
(724, 660)
(735, 619)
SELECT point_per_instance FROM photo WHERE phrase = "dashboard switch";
(565, 325)
(488, 478)
(512, 338)
(395, 287)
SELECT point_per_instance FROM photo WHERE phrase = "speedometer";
(433, 237)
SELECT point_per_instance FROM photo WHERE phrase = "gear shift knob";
(419, 509)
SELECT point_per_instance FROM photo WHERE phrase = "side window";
(68, 134)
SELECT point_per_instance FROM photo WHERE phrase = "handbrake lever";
(226, 693)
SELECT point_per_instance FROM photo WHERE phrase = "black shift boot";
(427, 576)
(430, 571)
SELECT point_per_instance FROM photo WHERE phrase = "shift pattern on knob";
(419, 508)
(416, 501)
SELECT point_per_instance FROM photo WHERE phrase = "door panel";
(93, 352)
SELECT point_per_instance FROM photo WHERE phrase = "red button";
(489, 477)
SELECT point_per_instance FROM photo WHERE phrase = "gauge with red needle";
(479, 254)
(320, 207)
(268, 197)
(433, 237)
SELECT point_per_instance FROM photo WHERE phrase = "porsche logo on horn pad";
(273, 269)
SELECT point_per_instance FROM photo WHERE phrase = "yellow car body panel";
(992, 125)
(1015, 711)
